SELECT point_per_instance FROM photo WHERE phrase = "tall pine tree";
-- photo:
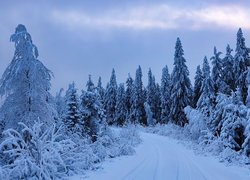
(197, 85)
(138, 114)
(241, 61)
(72, 114)
(206, 101)
(129, 94)
(110, 98)
(165, 95)
(228, 71)
(181, 90)
(120, 116)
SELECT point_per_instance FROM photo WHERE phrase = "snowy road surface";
(162, 158)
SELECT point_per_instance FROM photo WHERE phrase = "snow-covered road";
(162, 158)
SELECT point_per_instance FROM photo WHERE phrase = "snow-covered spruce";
(25, 84)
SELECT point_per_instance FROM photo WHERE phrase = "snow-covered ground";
(161, 158)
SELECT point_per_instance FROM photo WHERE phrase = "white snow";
(159, 157)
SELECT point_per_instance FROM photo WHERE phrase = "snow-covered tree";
(26, 84)
(138, 114)
(181, 90)
(120, 112)
(150, 119)
(241, 61)
(90, 85)
(72, 117)
(157, 103)
(231, 126)
(100, 89)
(129, 94)
(110, 98)
(206, 101)
(93, 116)
(165, 95)
(197, 85)
(60, 106)
(228, 71)
(217, 72)
(153, 96)
(33, 153)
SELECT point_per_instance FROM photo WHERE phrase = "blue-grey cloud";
(160, 16)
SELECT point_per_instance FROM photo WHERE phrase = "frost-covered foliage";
(37, 154)
(110, 98)
(26, 84)
(32, 153)
(196, 123)
(181, 89)
(150, 119)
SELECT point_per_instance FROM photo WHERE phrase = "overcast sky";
(78, 38)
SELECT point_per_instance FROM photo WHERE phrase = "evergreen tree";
(110, 98)
(138, 114)
(197, 85)
(181, 90)
(60, 104)
(93, 115)
(231, 126)
(157, 103)
(206, 101)
(72, 114)
(241, 61)
(90, 85)
(165, 95)
(100, 89)
(219, 84)
(26, 84)
(228, 71)
(151, 92)
(120, 116)
(129, 94)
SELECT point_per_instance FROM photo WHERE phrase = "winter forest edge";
(46, 137)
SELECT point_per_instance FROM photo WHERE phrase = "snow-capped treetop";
(197, 84)
(228, 69)
(90, 85)
(100, 89)
(217, 71)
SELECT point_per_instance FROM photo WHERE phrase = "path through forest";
(163, 158)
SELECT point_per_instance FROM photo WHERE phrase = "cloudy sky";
(78, 38)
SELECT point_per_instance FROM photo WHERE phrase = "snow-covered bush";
(197, 124)
(31, 153)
